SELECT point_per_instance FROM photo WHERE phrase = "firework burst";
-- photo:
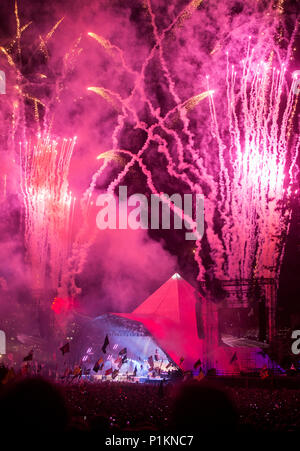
(49, 206)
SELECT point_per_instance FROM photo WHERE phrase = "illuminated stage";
(175, 326)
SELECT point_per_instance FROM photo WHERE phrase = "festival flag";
(97, 365)
(105, 344)
(109, 371)
(65, 348)
(200, 376)
(118, 360)
(150, 361)
(9, 376)
(187, 375)
(197, 364)
(114, 374)
(121, 362)
(28, 357)
(123, 351)
(233, 358)
(264, 373)
(24, 370)
(77, 370)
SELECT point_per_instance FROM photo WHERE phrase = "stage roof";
(184, 324)
(170, 315)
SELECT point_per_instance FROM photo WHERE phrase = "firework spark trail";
(34, 199)
(18, 32)
(80, 249)
(258, 150)
(108, 95)
(140, 78)
(185, 14)
(106, 44)
(150, 184)
(14, 59)
(193, 153)
(256, 116)
(197, 169)
(44, 182)
(44, 164)
(81, 246)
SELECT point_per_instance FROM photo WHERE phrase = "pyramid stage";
(179, 326)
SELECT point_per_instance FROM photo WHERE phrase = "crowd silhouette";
(34, 403)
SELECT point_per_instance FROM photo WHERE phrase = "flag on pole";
(28, 357)
(109, 371)
(24, 370)
(9, 376)
(97, 365)
(65, 348)
(77, 371)
(121, 361)
(233, 358)
(123, 351)
(118, 360)
(264, 373)
(150, 361)
(197, 364)
(200, 376)
(114, 374)
(105, 344)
